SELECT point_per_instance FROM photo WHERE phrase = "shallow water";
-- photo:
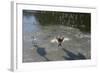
(37, 46)
(30, 24)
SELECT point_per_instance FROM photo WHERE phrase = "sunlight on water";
(39, 28)
(30, 23)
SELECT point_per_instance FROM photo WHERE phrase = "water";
(47, 51)
(30, 26)
(30, 23)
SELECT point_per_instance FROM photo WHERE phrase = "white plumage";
(56, 41)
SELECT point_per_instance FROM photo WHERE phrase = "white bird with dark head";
(59, 40)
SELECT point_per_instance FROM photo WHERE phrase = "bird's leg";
(59, 45)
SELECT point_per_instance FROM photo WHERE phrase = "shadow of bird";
(72, 56)
(41, 51)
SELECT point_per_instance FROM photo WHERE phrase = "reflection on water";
(30, 24)
(37, 37)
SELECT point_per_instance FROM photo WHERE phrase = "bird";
(59, 40)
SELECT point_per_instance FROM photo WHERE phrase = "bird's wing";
(66, 39)
(54, 41)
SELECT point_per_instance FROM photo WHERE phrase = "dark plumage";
(59, 40)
